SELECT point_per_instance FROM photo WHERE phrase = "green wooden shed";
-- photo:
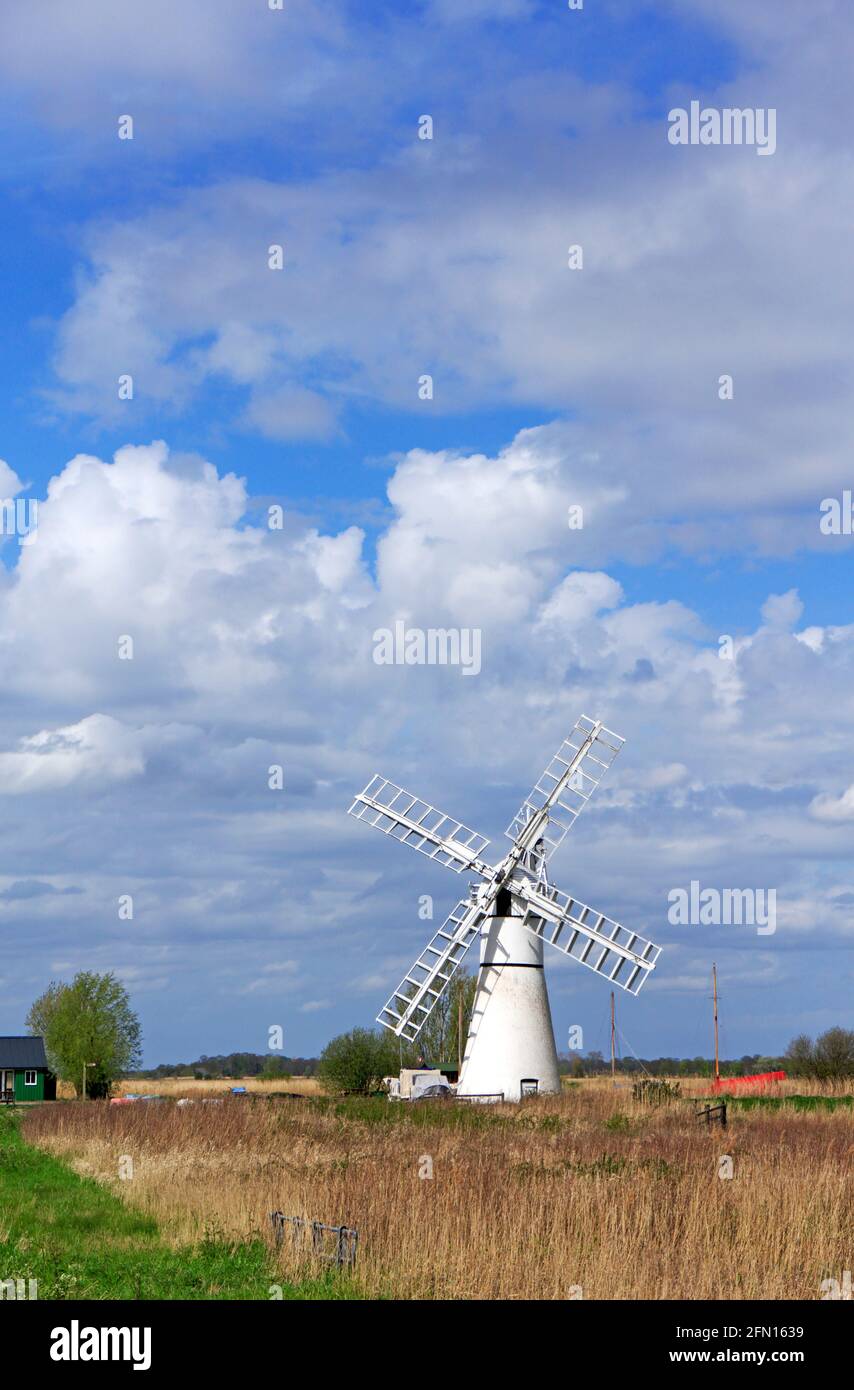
(24, 1072)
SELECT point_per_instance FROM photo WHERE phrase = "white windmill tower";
(510, 1049)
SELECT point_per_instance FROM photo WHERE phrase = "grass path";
(81, 1241)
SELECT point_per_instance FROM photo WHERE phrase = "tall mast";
(715, 997)
(613, 1044)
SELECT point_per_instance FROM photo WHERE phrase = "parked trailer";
(414, 1081)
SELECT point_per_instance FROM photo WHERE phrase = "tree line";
(357, 1061)
(93, 1037)
(829, 1058)
(231, 1065)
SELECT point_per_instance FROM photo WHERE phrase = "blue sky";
(299, 387)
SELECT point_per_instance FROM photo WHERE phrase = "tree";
(829, 1058)
(798, 1057)
(246, 1064)
(358, 1061)
(40, 1018)
(88, 1021)
(834, 1054)
(274, 1069)
(440, 1040)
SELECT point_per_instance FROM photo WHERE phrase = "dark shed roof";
(22, 1052)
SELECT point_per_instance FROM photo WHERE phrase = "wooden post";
(715, 995)
(613, 1044)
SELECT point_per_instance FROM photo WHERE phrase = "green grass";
(377, 1110)
(775, 1102)
(81, 1241)
(606, 1166)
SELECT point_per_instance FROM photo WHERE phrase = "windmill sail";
(516, 893)
(405, 817)
(426, 980)
(565, 787)
(589, 937)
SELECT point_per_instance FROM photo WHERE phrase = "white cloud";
(96, 751)
(252, 647)
(219, 63)
(276, 980)
(226, 615)
(306, 341)
(669, 775)
(828, 807)
(450, 258)
(290, 412)
(10, 483)
(782, 611)
(577, 599)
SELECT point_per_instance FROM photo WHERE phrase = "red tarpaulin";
(758, 1082)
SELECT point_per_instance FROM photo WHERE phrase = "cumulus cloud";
(227, 58)
(291, 412)
(828, 807)
(253, 650)
(449, 257)
(96, 750)
(303, 342)
(10, 483)
(782, 611)
(275, 979)
(253, 643)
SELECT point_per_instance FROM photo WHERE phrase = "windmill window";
(29, 1078)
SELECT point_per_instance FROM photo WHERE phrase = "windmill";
(514, 909)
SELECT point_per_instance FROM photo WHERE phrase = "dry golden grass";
(175, 1087)
(587, 1189)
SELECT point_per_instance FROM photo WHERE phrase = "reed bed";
(588, 1194)
(177, 1087)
